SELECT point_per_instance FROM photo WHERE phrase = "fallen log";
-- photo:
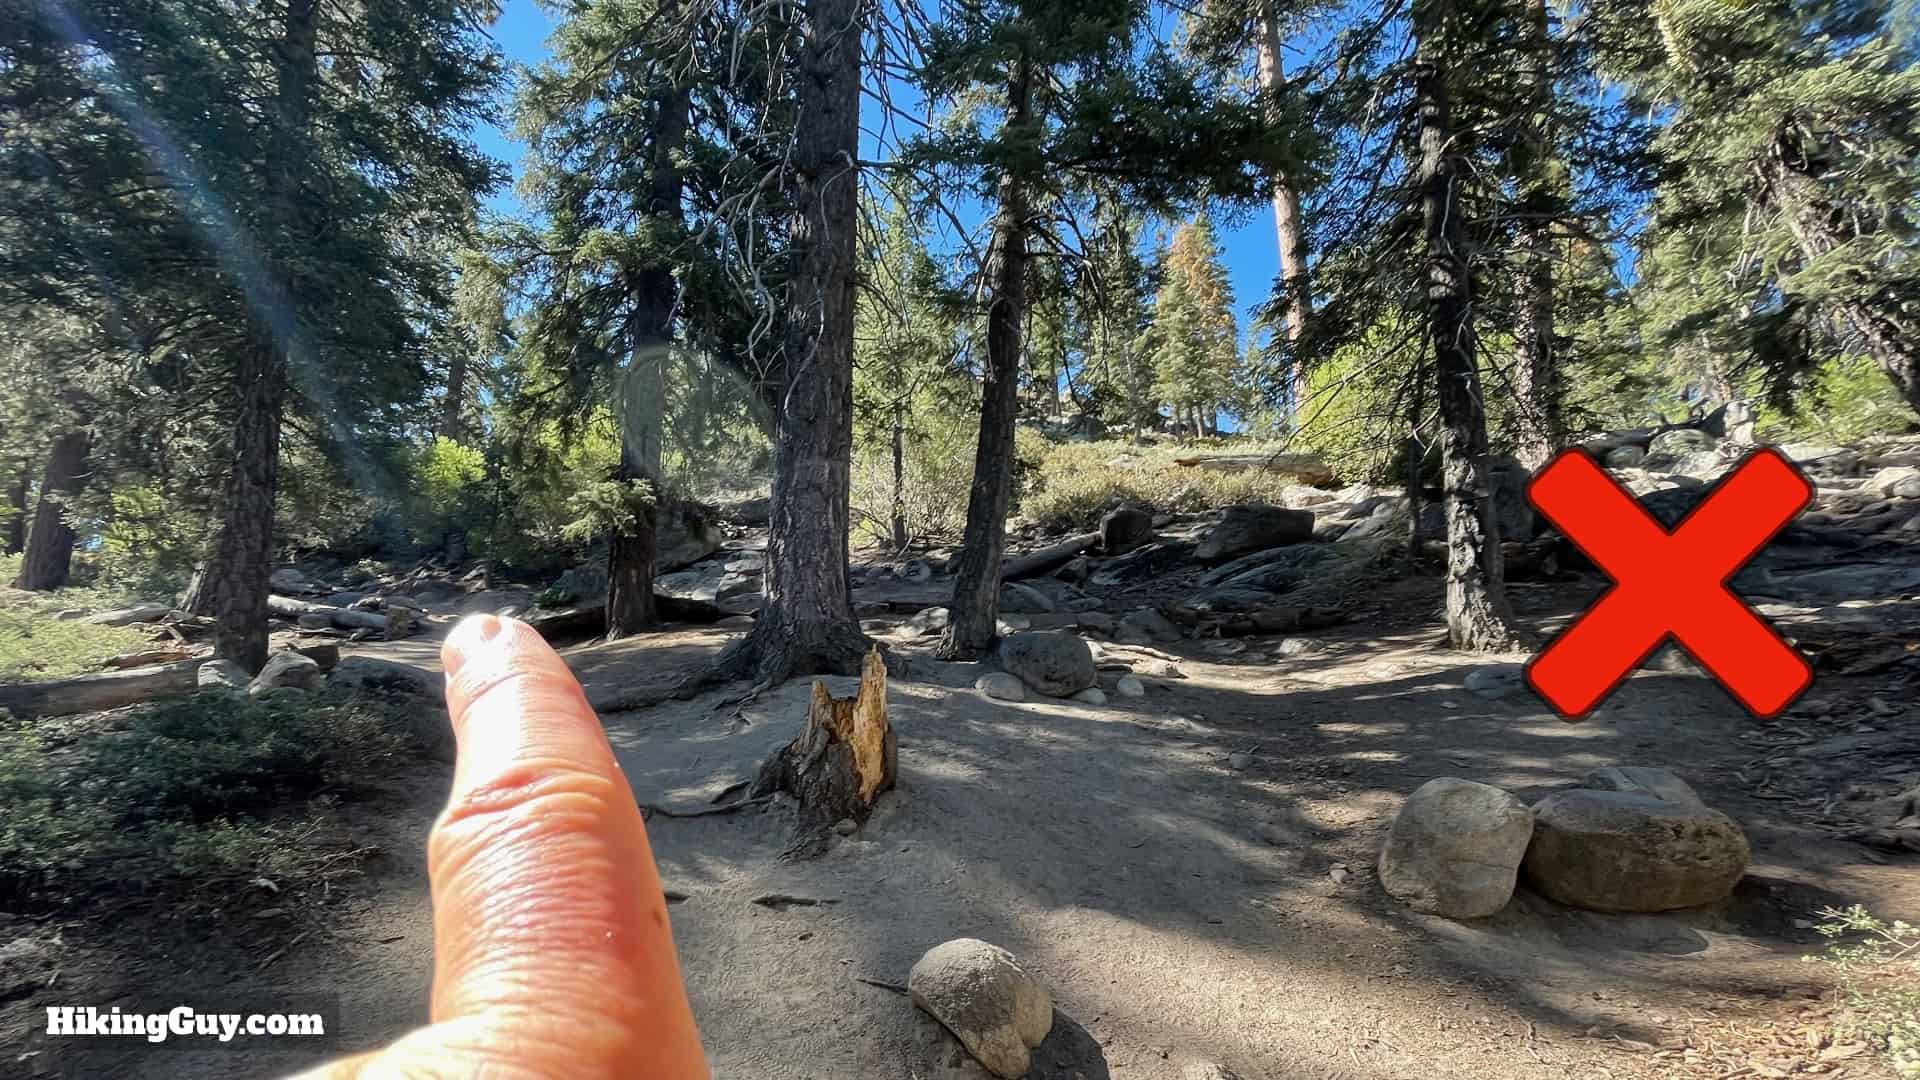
(93, 693)
(346, 618)
(1308, 468)
(1045, 559)
(590, 619)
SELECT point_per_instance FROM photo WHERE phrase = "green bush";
(1877, 964)
(188, 792)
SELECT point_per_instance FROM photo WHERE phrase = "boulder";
(688, 533)
(1146, 626)
(981, 994)
(1623, 851)
(1642, 780)
(1124, 529)
(370, 675)
(927, 621)
(314, 620)
(1897, 482)
(289, 581)
(1001, 686)
(1824, 460)
(1092, 695)
(1624, 457)
(1252, 528)
(1455, 848)
(1130, 686)
(1142, 564)
(286, 671)
(223, 675)
(1669, 505)
(1513, 514)
(1053, 663)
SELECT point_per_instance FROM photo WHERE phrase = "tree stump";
(841, 763)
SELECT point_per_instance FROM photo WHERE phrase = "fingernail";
(469, 636)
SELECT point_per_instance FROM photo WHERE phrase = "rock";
(1252, 528)
(286, 671)
(1824, 460)
(1455, 848)
(688, 533)
(223, 674)
(916, 570)
(1296, 646)
(1239, 761)
(927, 621)
(1512, 512)
(1024, 599)
(1642, 780)
(70, 614)
(1618, 851)
(314, 620)
(1001, 686)
(981, 994)
(1124, 529)
(1013, 623)
(370, 675)
(1142, 564)
(1092, 695)
(845, 827)
(1897, 482)
(1163, 669)
(1130, 686)
(138, 613)
(1495, 680)
(1624, 457)
(289, 581)
(1050, 662)
(1672, 445)
(1146, 626)
(1669, 505)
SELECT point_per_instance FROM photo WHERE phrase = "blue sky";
(1252, 254)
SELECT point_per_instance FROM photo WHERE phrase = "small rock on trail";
(981, 994)
(1455, 848)
(1053, 663)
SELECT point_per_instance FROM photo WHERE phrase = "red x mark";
(1669, 583)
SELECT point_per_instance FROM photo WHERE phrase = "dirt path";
(1181, 909)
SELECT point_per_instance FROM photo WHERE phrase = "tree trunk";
(630, 558)
(1287, 223)
(49, 549)
(450, 408)
(900, 537)
(975, 612)
(17, 512)
(845, 758)
(232, 583)
(1535, 380)
(1889, 329)
(807, 625)
(1477, 614)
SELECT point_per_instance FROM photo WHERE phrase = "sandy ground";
(1180, 909)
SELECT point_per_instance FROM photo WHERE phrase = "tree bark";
(450, 408)
(975, 613)
(630, 557)
(1535, 379)
(1287, 224)
(807, 625)
(48, 559)
(17, 512)
(231, 585)
(1477, 614)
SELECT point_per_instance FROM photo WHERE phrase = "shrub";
(1877, 964)
(1074, 484)
(188, 792)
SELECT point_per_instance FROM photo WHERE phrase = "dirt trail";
(1180, 908)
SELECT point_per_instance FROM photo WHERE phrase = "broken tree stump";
(841, 762)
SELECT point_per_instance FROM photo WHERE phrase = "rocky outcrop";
(1254, 528)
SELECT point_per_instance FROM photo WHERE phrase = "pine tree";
(1195, 336)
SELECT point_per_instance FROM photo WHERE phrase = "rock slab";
(1455, 848)
(981, 994)
(1254, 528)
(1627, 851)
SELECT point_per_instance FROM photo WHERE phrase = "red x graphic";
(1669, 583)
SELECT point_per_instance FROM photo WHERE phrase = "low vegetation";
(35, 644)
(195, 795)
(1877, 964)
(1073, 484)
